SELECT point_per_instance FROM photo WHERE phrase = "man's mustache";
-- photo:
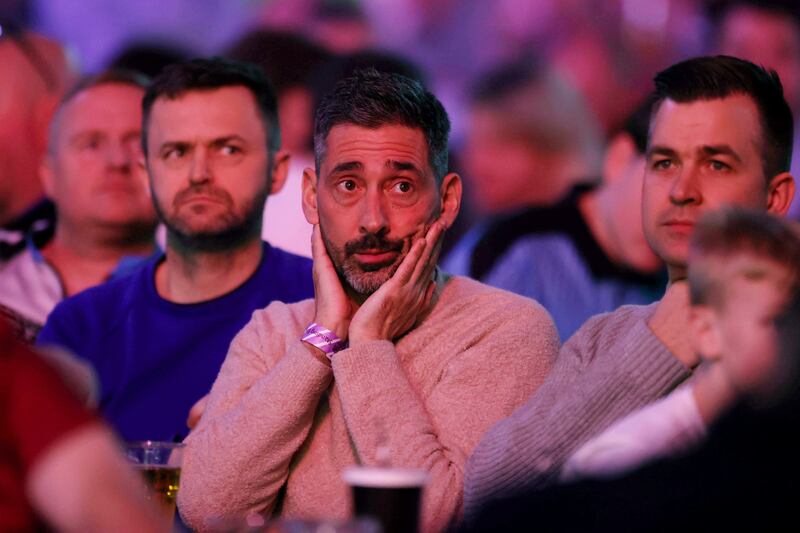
(204, 190)
(372, 242)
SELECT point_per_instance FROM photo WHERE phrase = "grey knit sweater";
(611, 366)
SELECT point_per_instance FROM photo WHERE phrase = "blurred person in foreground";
(157, 338)
(34, 73)
(742, 478)
(393, 361)
(586, 254)
(720, 135)
(106, 221)
(743, 270)
(59, 465)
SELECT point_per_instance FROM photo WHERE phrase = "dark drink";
(392, 496)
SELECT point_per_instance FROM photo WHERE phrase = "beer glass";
(159, 463)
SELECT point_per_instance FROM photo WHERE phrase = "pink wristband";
(324, 339)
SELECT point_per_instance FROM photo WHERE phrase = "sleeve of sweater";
(260, 410)
(482, 382)
(613, 365)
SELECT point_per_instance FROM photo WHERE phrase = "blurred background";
(583, 66)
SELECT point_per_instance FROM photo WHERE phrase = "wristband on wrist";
(324, 339)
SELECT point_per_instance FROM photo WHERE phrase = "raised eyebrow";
(661, 150)
(167, 145)
(219, 141)
(347, 166)
(403, 166)
(720, 149)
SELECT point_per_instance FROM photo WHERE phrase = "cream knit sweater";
(281, 425)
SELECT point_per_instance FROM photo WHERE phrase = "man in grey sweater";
(720, 134)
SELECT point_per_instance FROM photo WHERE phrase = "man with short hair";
(34, 72)
(393, 361)
(158, 337)
(720, 134)
(106, 221)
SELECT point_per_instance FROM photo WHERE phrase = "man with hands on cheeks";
(393, 361)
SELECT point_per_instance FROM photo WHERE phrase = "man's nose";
(685, 189)
(374, 213)
(200, 170)
(119, 157)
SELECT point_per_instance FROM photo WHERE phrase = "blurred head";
(341, 27)
(91, 170)
(621, 189)
(531, 137)
(766, 32)
(720, 135)
(288, 59)
(148, 57)
(34, 72)
(743, 268)
(381, 174)
(211, 143)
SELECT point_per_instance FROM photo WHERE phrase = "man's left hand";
(395, 307)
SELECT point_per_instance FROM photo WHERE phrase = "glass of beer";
(159, 463)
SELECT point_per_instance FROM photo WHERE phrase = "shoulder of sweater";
(461, 288)
(466, 294)
(622, 316)
(283, 317)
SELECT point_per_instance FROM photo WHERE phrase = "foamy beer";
(393, 496)
(159, 463)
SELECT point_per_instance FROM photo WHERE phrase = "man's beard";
(366, 279)
(228, 231)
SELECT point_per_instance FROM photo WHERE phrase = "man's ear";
(620, 152)
(280, 170)
(780, 193)
(705, 335)
(144, 172)
(450, 195)
(310, 196)
(47, 175)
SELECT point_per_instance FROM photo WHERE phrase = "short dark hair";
(734, 230)
(214, 73)
(715, 77)
(370, 99)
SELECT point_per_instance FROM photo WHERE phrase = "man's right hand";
(333, 308)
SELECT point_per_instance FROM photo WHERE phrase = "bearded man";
(157, 338)
(393, 361)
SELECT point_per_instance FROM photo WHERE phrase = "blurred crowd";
(110, 128)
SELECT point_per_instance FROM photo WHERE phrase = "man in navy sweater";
(157, 337)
